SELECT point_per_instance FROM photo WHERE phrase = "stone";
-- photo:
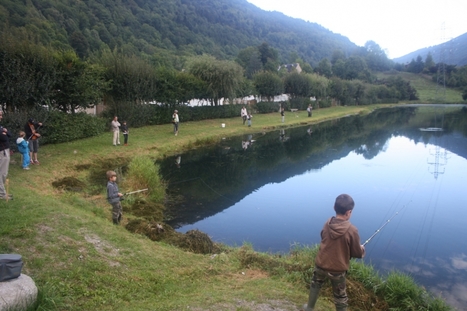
(17, 294)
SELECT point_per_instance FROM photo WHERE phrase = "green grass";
(427, 90)
(81, 261)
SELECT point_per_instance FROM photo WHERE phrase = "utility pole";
(441, 72)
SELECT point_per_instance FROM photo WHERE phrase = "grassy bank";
(81, 261)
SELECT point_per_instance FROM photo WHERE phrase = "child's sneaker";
(26, 168)
(36, 162)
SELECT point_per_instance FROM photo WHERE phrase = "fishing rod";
(136, 191)
(132, 192)
(381, 228)
(36, 129)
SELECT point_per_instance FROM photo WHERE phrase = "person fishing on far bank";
(244, 114)
(32, 135)
(175, 121)
(339, 243)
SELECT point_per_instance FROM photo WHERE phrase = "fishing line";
(196, 178)
(432, 220)
(381, 228)
(397, 201)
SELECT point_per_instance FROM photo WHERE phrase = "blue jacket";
(23, 146)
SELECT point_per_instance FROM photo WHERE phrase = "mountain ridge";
(184, 27)
(452, 52)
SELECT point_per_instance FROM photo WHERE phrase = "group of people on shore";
(246, 116)
(116, 127)
(28, 145)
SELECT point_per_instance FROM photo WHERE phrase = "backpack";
(10, 266)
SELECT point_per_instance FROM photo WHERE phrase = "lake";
(274, 190)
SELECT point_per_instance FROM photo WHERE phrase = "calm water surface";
(277, 189)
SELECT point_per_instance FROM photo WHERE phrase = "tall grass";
(144, 173)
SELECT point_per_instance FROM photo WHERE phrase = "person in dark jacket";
(32, 136)
(125, 132)
(339, 242)
(114, 197)
(4, 160)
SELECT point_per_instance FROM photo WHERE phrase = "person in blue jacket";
(23, 148)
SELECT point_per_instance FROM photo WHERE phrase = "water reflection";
(278, 192)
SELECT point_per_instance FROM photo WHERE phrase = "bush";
(144, 173)
(267, 107)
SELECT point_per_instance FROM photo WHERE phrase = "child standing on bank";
(23, 148)
(114, 197)
(339, 242)
(248, 117)
(125, 131)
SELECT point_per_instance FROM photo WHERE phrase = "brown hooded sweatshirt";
(339, 242)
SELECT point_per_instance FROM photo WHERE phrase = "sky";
(398, 27)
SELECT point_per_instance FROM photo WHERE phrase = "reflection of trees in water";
(214, 178)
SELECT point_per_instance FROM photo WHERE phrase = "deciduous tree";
(268, 85)
(223, 78)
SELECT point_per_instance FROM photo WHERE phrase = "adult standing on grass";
(33, 136)
(339, 242)
(4, 159)
(243, 114)
(115, 127)
(175, 121)
(309, 110)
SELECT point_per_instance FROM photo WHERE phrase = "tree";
(337, 89)
(78, 84)
(223, 78)
(430, 65)
(337, 55)
(269, 57)
(132, 79)
(319, 86)
(324, 68)
(376, 58)
(27, 74)
(416, 66)
(79, 43)
(268, 84)
(355, 67)
(297, 85)
(339, 69)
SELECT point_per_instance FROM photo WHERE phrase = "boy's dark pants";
(338, 288)
(125, 139)
(117, 212)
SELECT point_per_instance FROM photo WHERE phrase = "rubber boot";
(341, 308)
(312, 298)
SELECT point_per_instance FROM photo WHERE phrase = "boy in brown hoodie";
(339, 242)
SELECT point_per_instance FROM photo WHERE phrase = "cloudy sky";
(399, 27)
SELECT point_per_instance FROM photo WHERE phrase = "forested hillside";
(185, 27)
